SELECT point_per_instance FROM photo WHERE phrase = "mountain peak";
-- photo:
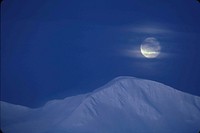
(125, 104)
(131, 83)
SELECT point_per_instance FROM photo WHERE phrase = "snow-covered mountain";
(124, 105)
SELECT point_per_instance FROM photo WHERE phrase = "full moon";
(150, 47)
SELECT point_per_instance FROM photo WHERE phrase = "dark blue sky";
(54, 49)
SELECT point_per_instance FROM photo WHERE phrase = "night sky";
(52, 49)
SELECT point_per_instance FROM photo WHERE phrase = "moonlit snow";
(124, 105)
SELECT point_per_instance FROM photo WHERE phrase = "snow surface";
(124, 105)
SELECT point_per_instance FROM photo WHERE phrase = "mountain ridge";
(112, 108)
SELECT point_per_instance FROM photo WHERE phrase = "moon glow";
(150, 47)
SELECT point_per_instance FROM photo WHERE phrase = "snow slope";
(124, 105)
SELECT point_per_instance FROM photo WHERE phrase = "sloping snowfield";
(124, 105)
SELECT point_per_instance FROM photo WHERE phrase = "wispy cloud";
(136, 53)
(148, 29)
(164, 34)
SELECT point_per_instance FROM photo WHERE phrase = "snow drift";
(124, 105)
